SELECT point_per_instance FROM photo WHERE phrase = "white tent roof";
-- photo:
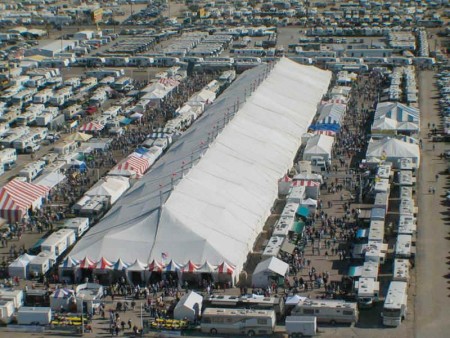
(392, 148)
(50, 179)
(397, 111)
(112, 186)
(274, 265)
(319, 145)
(217, 210)
(331, 112)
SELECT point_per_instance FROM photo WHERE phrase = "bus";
(238, 321)
(254, 302)
(328, 311)
(395, 304)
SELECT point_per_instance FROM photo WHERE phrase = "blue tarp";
(141, 150)
(325, 126)
(126, 121)
(362, 233)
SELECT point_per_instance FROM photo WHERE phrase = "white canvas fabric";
(208, 203)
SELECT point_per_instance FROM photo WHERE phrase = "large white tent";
(207, 199)
(318, 146)
(392, 150)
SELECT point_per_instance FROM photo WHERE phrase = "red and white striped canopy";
(168, 82)
(92, 126)
(86, 263)
(132, 163)
(325, 132)
(286, 178)
(190, 267)
(305, 183)
(17, 197)
(103, 264)
(155, 266)
(225, 268)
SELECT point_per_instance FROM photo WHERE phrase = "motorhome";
(79, 224)
(328, 311)
(367, 291)
(238, 321)
(401, 270)
(404, 247)
(32, 170)
(395, 304)
(254, 302)
(72, 111)
(65, 147)
(8, 157)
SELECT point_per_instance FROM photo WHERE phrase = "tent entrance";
(155, 277)
(68, 275)
(86, 274)
(136, 278)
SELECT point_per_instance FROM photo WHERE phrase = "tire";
(251, 333)
(213, 331)
(333, 322)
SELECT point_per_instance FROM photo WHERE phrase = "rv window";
(308, 311)
(348, 313)
(262, 321)
(207, 320)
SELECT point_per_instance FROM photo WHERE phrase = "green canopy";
(298, 227)
(303, 211)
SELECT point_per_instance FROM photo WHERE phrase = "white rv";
(367, 291)
(8, 157)
(79, 224)
(396, 304)
(328, 311)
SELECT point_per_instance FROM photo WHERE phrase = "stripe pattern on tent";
(17, 197)
(305, 183)
(92, 126)
(136, 164)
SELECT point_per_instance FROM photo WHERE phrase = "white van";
(32, 170)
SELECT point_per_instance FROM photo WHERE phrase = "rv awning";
(355, 271)
(303, 211)
(298, 227)
(288, 247)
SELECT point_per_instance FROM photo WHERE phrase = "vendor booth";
(189, 307)
(268, 271)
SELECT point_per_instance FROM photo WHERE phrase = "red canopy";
(16, 197)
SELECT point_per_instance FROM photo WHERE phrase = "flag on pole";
(164, 255)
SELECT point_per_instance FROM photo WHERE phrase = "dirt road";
(433, 246)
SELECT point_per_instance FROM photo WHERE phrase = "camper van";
(32, 170)
(247, 302)
(8, 158)
(395, 304)
(238, 321)
(367, 291)
(79, 224)
(327, 311)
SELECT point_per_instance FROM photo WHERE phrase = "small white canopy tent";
(393, 150)
(318, 146)
(110, 186)
(189, 307)
(266, 270)
(19, 267)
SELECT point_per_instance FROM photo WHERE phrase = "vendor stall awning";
(355, 271)
(126, 121)
(303, 211)
(298, 227)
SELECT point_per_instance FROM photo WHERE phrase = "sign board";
(97, 15)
